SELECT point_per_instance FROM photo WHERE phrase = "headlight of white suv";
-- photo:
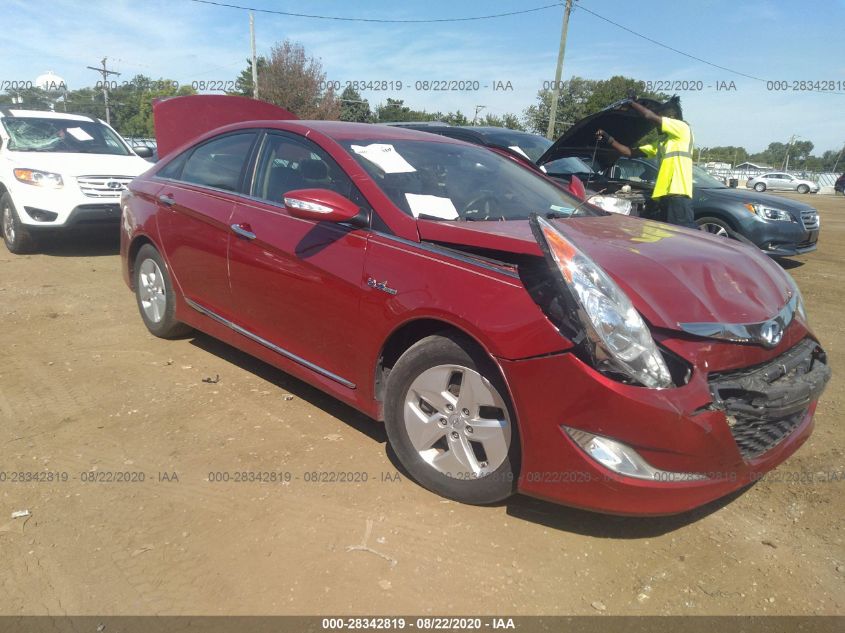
(769, 213)
(39, 178)
(619, 340)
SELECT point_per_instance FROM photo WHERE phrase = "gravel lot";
(84, 387)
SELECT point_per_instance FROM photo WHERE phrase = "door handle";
(243, 230)
(167, 199)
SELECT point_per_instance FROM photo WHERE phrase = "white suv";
(59, 170)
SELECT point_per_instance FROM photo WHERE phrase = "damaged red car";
(511, 337)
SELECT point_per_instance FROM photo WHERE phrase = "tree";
(296, 82)
(581, 97)
(353, 107)
(724, 154)
(26, 99)
(395, 111)
(243, 84)
(506, 120)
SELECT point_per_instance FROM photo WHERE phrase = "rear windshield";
(449, 181)
(30, 134)
(531, 145)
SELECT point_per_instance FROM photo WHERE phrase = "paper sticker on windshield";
(518, 150)
(79, 134)
(431, 205)
(385, 156)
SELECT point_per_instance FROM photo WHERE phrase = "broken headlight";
(618, 339)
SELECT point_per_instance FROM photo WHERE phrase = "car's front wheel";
(450, 421)
(155, 296)
(760, 186)
(15, 234)
(803, 189)
(715, 226)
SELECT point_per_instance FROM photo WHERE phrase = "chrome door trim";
(271, 346)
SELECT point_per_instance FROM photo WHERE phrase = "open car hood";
(181, 119)
(618, 119)
(671, 274)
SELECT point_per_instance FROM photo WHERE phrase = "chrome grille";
(810, 219)
(103, 186)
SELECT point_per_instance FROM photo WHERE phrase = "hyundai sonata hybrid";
(511, 337)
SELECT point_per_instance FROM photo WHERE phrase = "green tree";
(581, 97)
(353, 107)
(506, 120)
(243, 84)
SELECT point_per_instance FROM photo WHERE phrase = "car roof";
(346, 131)
(43, 114)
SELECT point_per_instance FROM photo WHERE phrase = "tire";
(15, 234)
(760, 186)
(476, 441)
(154, 294)
(715, 226)
(803, 189)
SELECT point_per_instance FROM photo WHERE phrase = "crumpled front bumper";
(686, 431)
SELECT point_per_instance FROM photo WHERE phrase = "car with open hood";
(776, 225)
(59, 171)
(510, 337)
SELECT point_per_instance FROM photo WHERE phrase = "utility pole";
(550, 133)
(785, 165)
(254, 60)
(478, 109)
(105, 72)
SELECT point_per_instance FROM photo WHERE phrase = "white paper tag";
(431, 205)
(385, 156)
(79, 134)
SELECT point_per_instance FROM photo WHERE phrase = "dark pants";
(677, 210)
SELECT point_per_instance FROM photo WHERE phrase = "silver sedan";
(780, 181)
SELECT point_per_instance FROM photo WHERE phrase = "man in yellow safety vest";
(673, 188)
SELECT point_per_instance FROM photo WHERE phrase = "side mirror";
(143, 151)
(320, 205)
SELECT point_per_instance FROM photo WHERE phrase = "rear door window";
(219, 163)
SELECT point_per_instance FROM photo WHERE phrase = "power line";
(377, 20)
(666, 46)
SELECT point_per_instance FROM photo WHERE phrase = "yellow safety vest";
(674, 157)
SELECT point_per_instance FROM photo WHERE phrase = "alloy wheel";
(457, 421)
(8, 225)
(714, 229)
(152, 291)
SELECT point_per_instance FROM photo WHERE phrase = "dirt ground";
(84, 388)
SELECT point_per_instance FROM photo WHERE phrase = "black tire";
(16, 236)
(166, 326)
(428, 353)
(760, 186)
(803, 189)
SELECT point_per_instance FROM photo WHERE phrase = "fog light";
(622, 459)
(40, 215)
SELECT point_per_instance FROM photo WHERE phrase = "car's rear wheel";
(155, 296)
(715, 226)
(450, 421)
(760, 186)
(15, 234)
(803, 189)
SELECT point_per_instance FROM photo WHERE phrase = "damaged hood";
(618, 120)
(671, 274)
(73, 164)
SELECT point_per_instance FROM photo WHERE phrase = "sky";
(195, 42)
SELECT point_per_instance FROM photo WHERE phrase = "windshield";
(450, 181)
(568, 166)
(703, 180)
(28, 134)
(531, 145)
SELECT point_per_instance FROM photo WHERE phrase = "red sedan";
(511, 337)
